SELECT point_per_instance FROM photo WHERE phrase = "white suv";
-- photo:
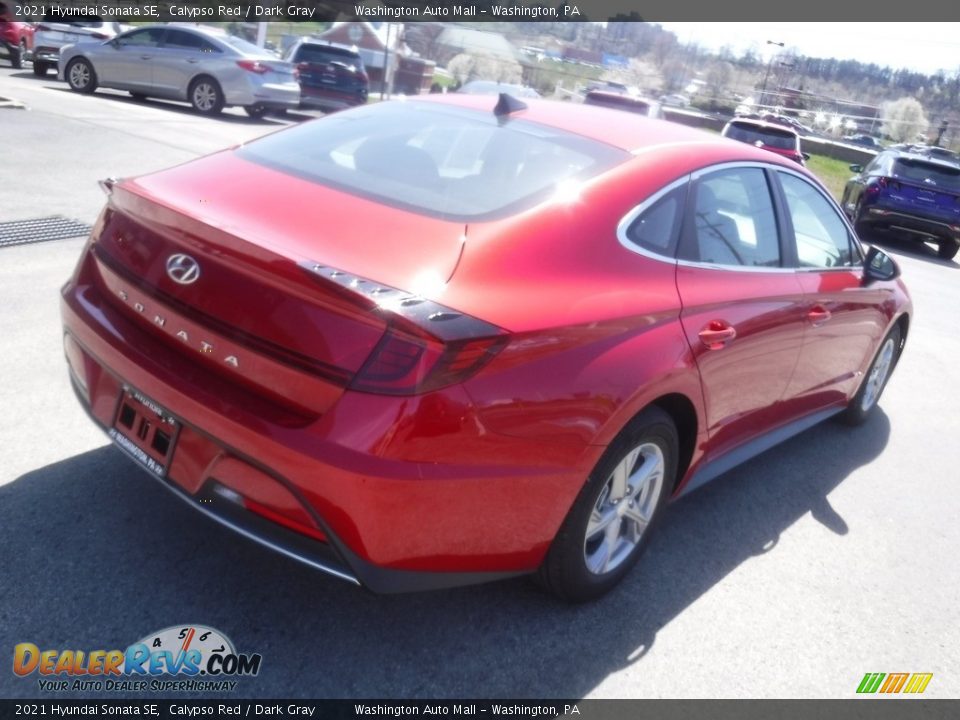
(53, 34)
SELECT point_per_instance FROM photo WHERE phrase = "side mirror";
(806, 155)
(879, 266)
(856, 168)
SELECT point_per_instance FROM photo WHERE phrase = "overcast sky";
(924, 47)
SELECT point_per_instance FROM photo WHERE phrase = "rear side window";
(821, 235)
(441, 161)
(657, 229)
(733, 221)
(932, 174)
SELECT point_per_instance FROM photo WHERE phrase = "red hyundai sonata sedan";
(427, 343)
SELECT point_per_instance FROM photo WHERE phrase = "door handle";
(818, 315)
(192, 61)
(146, 57)
(716, 334)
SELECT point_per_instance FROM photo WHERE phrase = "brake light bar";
(418, 315)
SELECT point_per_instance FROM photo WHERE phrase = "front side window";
(822, 238)
(148, 37)
(733, 221)
(181, 40)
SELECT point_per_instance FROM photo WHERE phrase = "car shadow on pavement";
(118, 96)
(913, 247)
(97, 555)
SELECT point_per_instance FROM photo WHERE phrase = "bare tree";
(903, 119)
(469, 66)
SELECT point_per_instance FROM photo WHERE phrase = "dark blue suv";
(912, 189)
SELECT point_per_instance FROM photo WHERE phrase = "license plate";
(145, 431)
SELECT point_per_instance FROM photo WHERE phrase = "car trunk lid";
(250, 232)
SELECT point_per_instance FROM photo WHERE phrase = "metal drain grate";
(22, 232)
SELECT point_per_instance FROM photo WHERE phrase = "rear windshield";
(771, 137)
(320, 54)
(927, 173)
(437, 160)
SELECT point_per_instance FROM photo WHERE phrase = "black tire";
(947, 249)
(566, 571)
(871, 387)
(256, 111)
(859, 224)
(80, 76)
(16, 56)
(205, 95)
(40, 68)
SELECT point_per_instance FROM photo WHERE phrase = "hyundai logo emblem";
(183, 269)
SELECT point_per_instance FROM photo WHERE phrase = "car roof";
(912, 154)
(627, 131)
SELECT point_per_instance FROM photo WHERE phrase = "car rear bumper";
(341, 506)
(279, 96)
(49, 55)
(330, 98)
(912, 223)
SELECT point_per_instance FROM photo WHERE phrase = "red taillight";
(99, 36)
(882, 182)
(427, 346)
(43, 27)
(404, 365)
(254, 66)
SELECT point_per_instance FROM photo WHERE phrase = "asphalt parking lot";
(832, 555)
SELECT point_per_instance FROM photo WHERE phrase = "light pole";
(763, 93)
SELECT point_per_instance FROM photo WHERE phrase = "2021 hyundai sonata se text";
(427, 343)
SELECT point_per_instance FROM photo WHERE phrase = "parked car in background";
(622, 101)
(906, 191)
(491, 87)
(203, 66)
(933, 151)
(864, 140)
(787, 122)
(675, 100)
(775, 138)
(405, 344)
(331, 77)
(16, 38)
(53, 34)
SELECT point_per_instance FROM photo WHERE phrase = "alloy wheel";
(624, 509)
(878, 375)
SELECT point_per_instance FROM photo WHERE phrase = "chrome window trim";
(627, 220)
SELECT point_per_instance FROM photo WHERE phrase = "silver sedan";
(203, 66)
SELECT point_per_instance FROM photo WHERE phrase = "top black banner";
(732, 11)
